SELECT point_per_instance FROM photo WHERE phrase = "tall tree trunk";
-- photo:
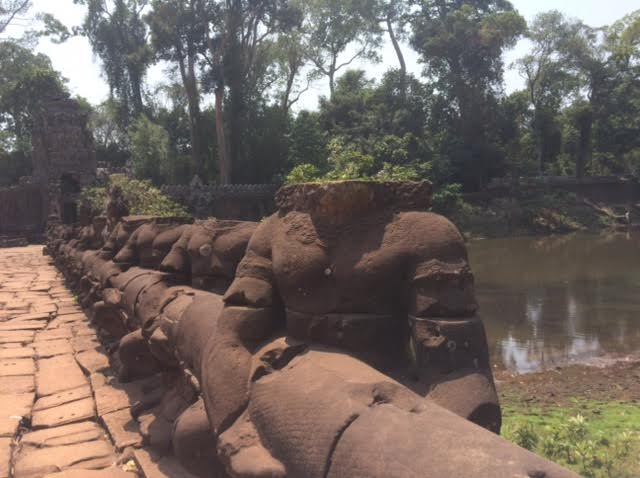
(136, 92)
(235, 80)
(287, 94)
(187, 72)
(225, 167)
(585, 126)
(399, 54)
(217, 58)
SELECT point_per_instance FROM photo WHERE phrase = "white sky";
(77, 63)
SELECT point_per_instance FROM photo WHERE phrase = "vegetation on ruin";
(142, 197)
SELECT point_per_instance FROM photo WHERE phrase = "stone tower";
(64, 157)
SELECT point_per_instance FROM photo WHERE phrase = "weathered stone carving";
(346, 343)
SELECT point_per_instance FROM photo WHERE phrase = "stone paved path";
(61, 412)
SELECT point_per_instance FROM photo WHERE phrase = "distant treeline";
(237, 68)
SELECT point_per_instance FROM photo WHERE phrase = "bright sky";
(77, 63)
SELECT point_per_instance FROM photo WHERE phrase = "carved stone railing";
(282, 344)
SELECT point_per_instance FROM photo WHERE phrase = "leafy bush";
(303, 173)
(143, 198)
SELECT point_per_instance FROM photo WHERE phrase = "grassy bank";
(534, 214)
(595, 439)
(585, 418)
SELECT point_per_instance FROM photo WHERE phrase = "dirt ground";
(619, 381)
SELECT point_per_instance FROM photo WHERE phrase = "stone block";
(154, 466)
(13, 408)
(51, 348)
(17, 366)
(65, 435)
(17, 384)
(16, 352)
(36, 462)
(92, 361)
(58, 374)
(123, 429)
(71, 412)
(61, 398)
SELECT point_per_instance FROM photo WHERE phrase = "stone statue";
(346, 343)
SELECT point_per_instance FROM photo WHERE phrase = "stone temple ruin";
(64, 161)
(336, 338)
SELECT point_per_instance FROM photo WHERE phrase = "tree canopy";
(228, 110)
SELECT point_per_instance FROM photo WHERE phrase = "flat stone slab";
(80, 344)
(58, 374)
(23, 325)
(5, 457)
(106, 473)
(17, 366)
(16, 337)
(65, 435)
(33, 316)
(92, 361)
(51, 348)
(123, 429)
(71, 412)
(17, 384)
(67, 320)
(83, 330)
(112, 395)
(13, 408)
(155, 467)
(53, 334)
(61, 398)
(16, 352)
(36, 462)
(67, 311)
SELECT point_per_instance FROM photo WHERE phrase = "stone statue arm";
(251, 315)
(447, 343)
(177, 260)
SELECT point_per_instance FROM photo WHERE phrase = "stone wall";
(22, 210)
(249, 202)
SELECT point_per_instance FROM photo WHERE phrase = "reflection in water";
(558, 299)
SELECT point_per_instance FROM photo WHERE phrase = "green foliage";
(26, 81)
(600, 441)
(150, 153)
(447, 199)
(346, 161)
(118, 36)
(143, 198)
(303, 173)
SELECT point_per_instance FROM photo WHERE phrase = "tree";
(118, 35)
(10, 10)
(177, 35)
(338, 33)
(547, 81)
(461, 45)
(111, 140)
(240, 37)
(150, 153)
(395, 16)
(26, 81)
(291, 56)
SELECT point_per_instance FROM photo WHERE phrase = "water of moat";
(556, 300)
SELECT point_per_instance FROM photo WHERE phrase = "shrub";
(143, 198)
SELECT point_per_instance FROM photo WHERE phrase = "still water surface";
(549, 301)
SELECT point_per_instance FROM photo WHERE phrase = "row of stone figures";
(336, 338)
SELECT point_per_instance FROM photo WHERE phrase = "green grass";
(595, 439)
